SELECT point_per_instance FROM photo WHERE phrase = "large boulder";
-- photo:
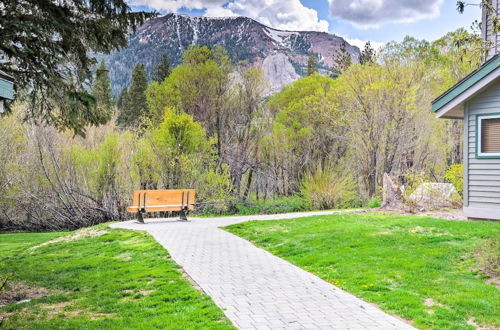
(431, 196)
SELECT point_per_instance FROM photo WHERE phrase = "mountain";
(281, 54)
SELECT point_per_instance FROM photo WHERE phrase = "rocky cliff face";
(282, 55)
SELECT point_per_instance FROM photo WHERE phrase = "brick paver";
(256, 289)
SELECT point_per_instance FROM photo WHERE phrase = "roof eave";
(7, 77)
(450, 104)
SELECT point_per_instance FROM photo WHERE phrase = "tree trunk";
(393, 197)
(249, 183)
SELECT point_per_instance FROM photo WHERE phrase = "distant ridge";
(281, 54)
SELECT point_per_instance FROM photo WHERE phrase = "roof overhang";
(6, 77)
(451, 103)
(6, 87)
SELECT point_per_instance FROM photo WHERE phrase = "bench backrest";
(162, 200)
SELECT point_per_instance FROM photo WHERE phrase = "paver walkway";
(256, 289)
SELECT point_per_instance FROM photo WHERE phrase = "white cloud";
(284, 15)
(279, 14)
(373, 13)
(361, 43)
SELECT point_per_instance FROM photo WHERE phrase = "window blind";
(490, 135)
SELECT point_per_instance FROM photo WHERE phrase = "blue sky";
(449, 19)
(379, 21)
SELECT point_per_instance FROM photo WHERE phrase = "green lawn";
(120, 279)
(418, 268)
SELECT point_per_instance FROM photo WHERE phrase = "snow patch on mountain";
(282, 55)
(279, 36)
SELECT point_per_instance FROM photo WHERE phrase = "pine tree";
(101, 90)
(49, 47)
(162, 70)
(121, 104)
(136, 106)
(312, 64)
(367, 55)
(341, 60)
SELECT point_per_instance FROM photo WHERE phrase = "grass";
(116, 280)
(421, 269)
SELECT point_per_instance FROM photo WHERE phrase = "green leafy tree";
(367, 54)
(200, 87)
(162, 70)
(312, 64)
(101, 90)
(455, 176)
(180, 147)
(307, 130)
(341, 60)
(466, 41)
(136, 98)
(47, 46)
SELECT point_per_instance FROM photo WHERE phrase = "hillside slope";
(282, 54)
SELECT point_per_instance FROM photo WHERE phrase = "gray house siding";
(482, 176)
(487, 31)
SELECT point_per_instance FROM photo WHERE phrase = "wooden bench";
(181, 200)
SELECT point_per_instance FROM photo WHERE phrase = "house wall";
(487, 31)
(482, 176)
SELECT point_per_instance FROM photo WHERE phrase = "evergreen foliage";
(312, 64)
(47, 45)
(136, 103)
(101, 90)
(162, 70)
(367, 54)
(341, 60)
(122, 100)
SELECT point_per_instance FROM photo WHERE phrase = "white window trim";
(479, 135)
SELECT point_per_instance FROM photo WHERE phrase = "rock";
(432, 195)
(244, 39)
(278, 71)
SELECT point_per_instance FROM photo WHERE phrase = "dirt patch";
(478, 327)
(61, 308)
(429, 231)
(124, 256)
(145, 292)
(445, 214)
(17, 292)
(55, 309)
(488, 260)
(431, 303)
(82, 233)
(495, 280)
(449, 214)
(417, 229)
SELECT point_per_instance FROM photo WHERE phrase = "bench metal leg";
(182, 215)
(139, 217)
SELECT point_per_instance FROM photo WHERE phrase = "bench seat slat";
(162, 200)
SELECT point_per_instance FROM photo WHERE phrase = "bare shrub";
(328, 188)
(53, 181)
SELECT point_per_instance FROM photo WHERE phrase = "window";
(488, 136)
